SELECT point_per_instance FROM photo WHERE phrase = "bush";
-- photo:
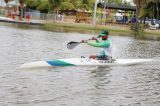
(138, 30)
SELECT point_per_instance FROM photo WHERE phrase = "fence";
(35, 15)
(2, 12)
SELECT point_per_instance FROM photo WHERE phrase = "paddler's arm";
(99, 44)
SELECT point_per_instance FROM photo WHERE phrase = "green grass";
(113, 29)
(153, 32)
(49, 26)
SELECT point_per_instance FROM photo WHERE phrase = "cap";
(103, 33)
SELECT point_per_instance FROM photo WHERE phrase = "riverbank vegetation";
(118, 29)
(145, 10)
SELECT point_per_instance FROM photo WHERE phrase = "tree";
(54, 5)
(66, 6)
(43, 6)
(76, 3)
(137, 26)
(145, 8)
(126, 3)
(153, 7)
(89, 3)
(6, 1)
(115, 1)
(33, 4)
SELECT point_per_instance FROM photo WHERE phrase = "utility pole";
(95, 10)
(104, 8)
(105, 3)
(1, 3)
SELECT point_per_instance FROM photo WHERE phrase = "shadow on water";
(100, 76)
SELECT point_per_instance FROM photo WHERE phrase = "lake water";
(135, 85)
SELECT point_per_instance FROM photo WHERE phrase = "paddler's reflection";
(99, 76)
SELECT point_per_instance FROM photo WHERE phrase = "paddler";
(105, 44)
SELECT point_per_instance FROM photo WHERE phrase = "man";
(105, 44)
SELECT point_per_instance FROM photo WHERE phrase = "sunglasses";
(104, 36)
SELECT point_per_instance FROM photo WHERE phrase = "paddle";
(73, 44)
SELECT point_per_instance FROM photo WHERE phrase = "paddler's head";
(104, 34)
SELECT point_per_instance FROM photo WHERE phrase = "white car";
(153, 25)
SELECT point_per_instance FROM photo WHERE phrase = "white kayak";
(83, 62)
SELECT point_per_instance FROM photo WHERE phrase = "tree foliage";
(43, 6)
(66, 6)
(56, 5)
(151, 9)
(113, 1)
(146, 8)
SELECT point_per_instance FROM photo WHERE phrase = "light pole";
(95, 9)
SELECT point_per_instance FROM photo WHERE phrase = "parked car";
(153, 24)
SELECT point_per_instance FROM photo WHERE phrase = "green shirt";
(103, 44)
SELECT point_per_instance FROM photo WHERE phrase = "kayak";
(83, 62)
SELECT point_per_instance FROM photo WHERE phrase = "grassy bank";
(119, 29)
(97, 28)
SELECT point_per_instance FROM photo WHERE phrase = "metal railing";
(35, 15)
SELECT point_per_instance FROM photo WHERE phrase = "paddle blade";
(72, 45)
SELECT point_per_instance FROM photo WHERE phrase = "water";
(136, 85)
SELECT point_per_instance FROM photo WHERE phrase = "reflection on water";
(135, 85)
(100, 76)
(69, 29)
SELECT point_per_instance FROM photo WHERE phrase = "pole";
(95, 9)
(105, 3)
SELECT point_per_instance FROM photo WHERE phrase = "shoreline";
(118, 29)
(113, 28)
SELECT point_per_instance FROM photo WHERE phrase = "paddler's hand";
(83, 41)
(93, 38)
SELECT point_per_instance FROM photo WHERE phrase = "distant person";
(105, 44)
(14, 14)
(134, 19)
(21, 8)
(9, 14)
(28, 16)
